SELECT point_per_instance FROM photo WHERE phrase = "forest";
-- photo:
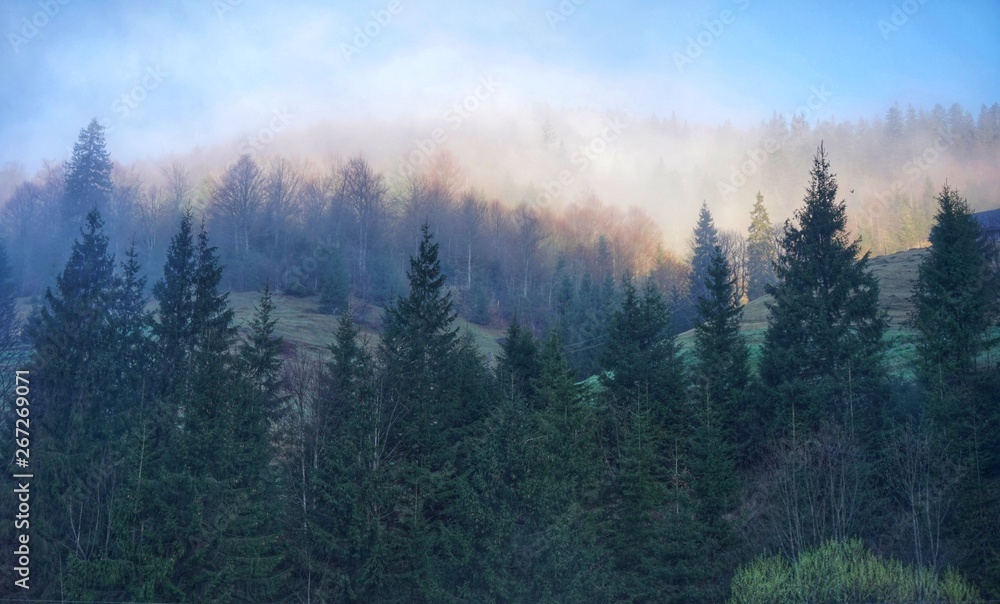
(627, 442)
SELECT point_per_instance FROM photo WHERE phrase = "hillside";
(304, 328)
(896, 273)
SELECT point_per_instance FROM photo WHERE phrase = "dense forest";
(178, 455)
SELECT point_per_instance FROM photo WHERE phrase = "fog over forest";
(533, 301)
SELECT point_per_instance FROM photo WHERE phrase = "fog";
(657, 106)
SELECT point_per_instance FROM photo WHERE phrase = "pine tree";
(641, 358)
(706, 239)
(518, 362)
(955, 297)
(260, 356)
(81, 415)
(418, 343)
(956, 304)
(335, 292)
(563, 559)
(761, 251)
(88, 176)
(345, 528)
(721, 373)
(823, 349)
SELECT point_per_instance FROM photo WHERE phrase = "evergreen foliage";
(704, 242)
(762, 251)
(88, 176)
(823, 349)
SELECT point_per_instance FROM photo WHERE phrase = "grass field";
(896, 273)
(304, 328)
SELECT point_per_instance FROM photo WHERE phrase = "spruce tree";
(563, 559)
(418, 343)
(823, 349)
(335, 292)
(88, 176)
(518, 362)
(260, 356)
(956, 304)
(761, 251)
(721, 373)
(955, 298)
(79, 413)
(706, 239)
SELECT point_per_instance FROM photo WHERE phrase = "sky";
(165, 78)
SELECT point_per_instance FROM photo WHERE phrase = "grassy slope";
(306, 329)
(896, 273)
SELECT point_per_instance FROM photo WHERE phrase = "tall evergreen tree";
(721, 373)
(82, 415)
(88, 176)
(720, 384)
(706, 239)
(260, 355)
(955, 297)
(956, 303)
(518, 362)
(762, 251)
(418, 343)
(823, 349)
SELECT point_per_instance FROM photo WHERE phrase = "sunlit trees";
(762, 251)
(823, 349)
(844, 571)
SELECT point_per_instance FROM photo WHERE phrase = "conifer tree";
(706, 239)
(335, 292)
(955, 297)
(418, 343)
(81, 415)
(563, 560)
(260, 355)
(762, 251)
(823, 349)
(518, 362)
(956, 303)
(721, 373)
(88, 176)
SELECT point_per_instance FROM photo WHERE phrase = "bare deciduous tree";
(236, 202)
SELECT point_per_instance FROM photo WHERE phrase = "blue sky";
(167, 78)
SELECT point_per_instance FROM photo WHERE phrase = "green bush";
(841, 572)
